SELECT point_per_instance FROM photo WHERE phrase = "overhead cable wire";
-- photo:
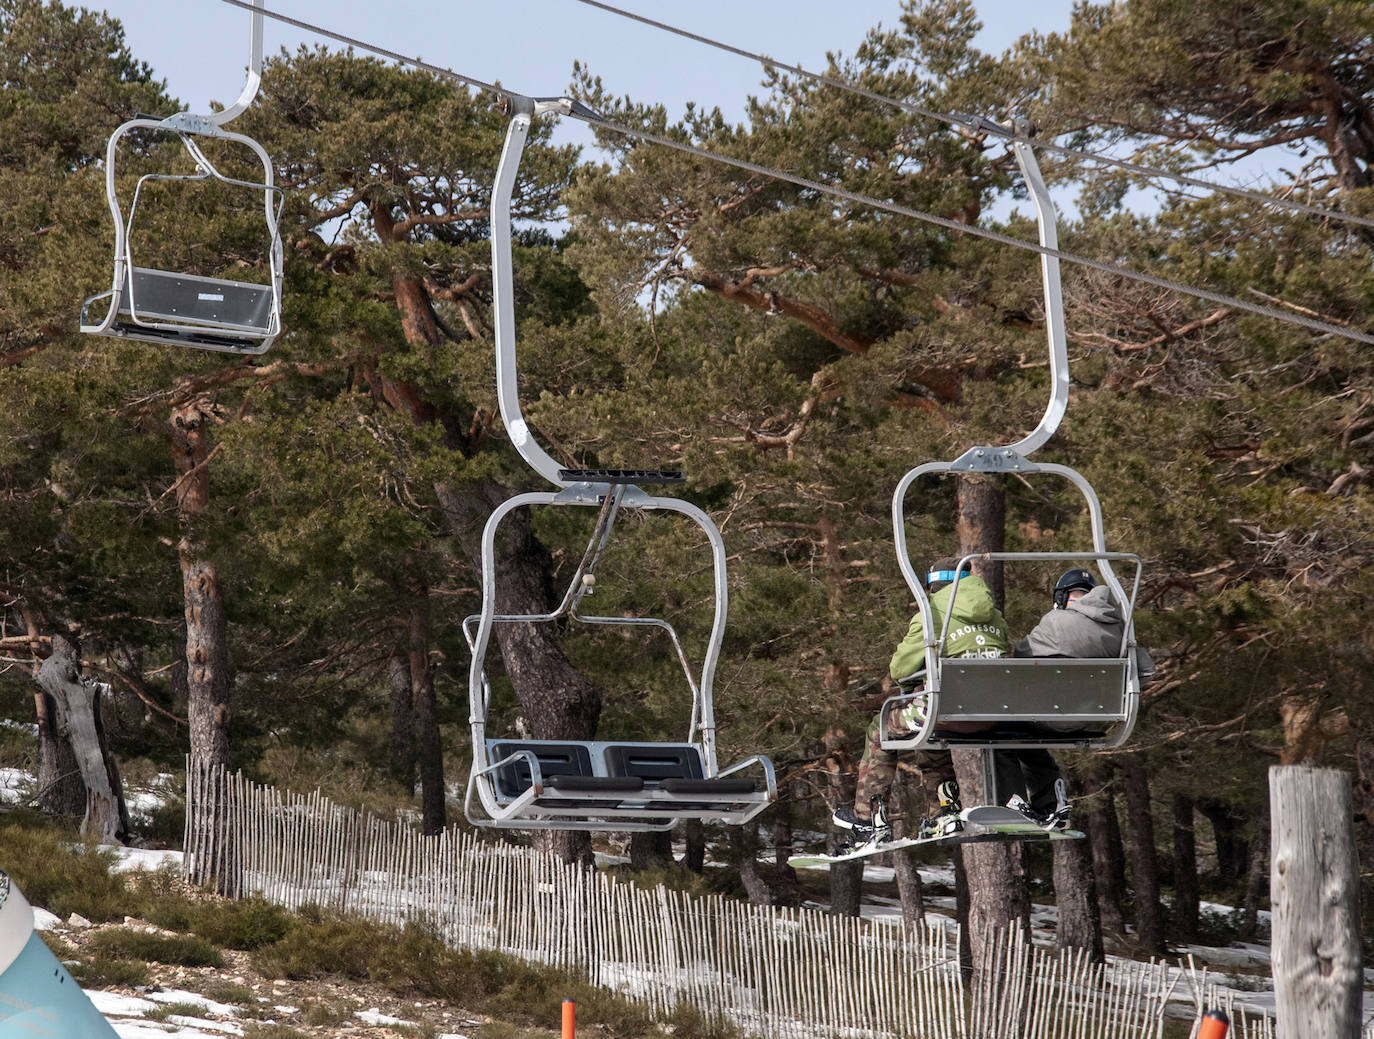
(372, 48)
(979, 232)
(869, 201)
(981, 124)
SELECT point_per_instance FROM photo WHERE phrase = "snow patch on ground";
(129, 859)
(16, 786)
(128, 1016)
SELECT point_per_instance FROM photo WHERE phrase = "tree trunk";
(1255, 883)
(1149, 913)
(1080, 923)
(846, 878)
(60, 790)
(998, 899)
(651, 849)
(982, 526)
(765, 883)
(1109, 857)
(207, 653)
(1318, 974)
(429, 749)
(1185, 915)
(961, 911)
(558, 701)
(76, 713)
(782, 828)
(1233, 853)
(694, 850)
(401, 752)
(903, 865)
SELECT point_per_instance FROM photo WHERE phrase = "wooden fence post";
(1314, 890)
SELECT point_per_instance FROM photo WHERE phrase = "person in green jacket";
(976, 629)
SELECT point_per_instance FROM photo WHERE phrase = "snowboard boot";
(1059, 818)
(946, 820)
(863, 833)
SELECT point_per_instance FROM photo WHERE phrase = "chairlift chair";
(1036, 702)
(161, 306)
(590, 784)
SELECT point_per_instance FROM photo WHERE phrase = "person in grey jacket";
(1085, 622)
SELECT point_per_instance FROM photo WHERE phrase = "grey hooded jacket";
(1089, 627)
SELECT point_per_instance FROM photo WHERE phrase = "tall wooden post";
(1314, 888)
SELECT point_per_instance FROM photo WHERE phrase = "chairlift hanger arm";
(254, 76)
(1055, 330)
(522, 111)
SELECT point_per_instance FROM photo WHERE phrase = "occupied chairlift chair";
(592, 784)
(190, 310)
(1034, 702)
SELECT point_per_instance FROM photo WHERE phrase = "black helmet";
(1069, 580)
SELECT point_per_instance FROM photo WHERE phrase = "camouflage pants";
(878, 768)
(1030, 773)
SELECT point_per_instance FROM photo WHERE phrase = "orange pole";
(570, 1019)
(1215, 1025)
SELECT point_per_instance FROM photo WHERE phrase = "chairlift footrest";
(1019, 732)
(634, 476)
(191, 337)
(600, 784)
(708, 786)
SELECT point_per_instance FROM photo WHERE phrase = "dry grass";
(292, 975)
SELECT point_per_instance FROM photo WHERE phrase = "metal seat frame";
(207, 313)
(591, 808)
(1091, 704)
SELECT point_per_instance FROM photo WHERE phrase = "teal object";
(38, 998)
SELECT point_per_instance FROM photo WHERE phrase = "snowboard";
(982, 824)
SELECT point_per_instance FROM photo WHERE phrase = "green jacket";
(976, 629)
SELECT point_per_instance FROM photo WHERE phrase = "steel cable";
(1313, 324)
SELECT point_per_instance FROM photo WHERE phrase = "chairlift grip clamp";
(189, 122)
(993, 460)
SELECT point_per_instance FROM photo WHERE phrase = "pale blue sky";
(201, 46)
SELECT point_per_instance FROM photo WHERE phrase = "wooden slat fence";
(768, 971)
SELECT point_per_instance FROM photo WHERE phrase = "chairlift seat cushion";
(555, 759)
(654, 763)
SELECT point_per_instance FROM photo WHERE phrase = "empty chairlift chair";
(591, 784)
(159, 306)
